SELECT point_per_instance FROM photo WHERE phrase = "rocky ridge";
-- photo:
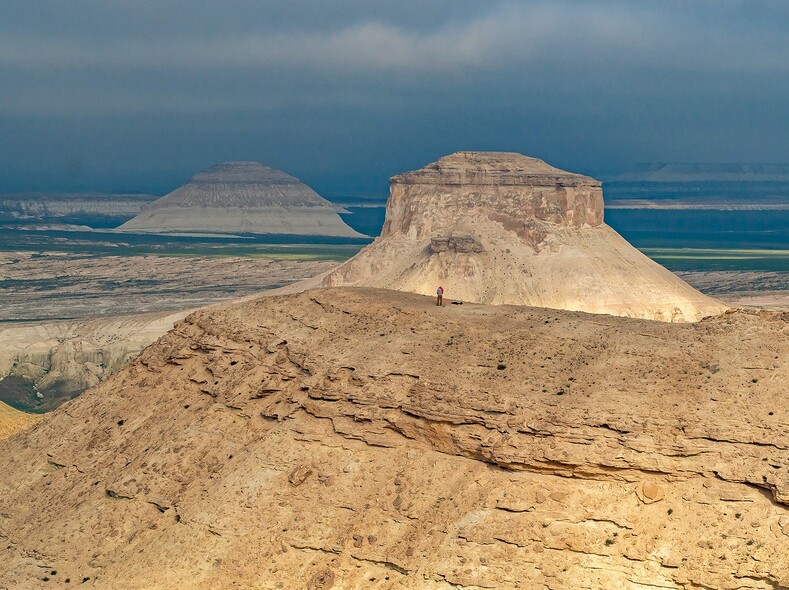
(503, 228)
(357, 438)
(242, 197)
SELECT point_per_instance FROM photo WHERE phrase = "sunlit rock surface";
(359, 438)
(503, 228)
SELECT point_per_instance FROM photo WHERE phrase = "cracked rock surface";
(362, 438)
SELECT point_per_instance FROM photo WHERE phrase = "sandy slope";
(359, 438)
(589, 269)
(12, 421)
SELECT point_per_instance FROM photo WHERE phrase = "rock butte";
(359, 438)
(503, 228)
(242, 197)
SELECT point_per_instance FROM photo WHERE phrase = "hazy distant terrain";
(767, 290)
(697, 172)
(56, 285)
(241, 197)
(91, 209)
(682, 185)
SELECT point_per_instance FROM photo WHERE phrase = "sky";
(139, 95)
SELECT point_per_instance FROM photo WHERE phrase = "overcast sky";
(138, 95)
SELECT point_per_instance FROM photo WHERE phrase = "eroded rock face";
(357, 438)
(466, 244)
(505, 187)
(539, 239)
(245, 197)
(58, 360)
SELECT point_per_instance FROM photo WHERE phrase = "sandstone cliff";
(356, 438)
(242, 197)
(503, 228)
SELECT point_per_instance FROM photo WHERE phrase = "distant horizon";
(610, 177)
(139, 96)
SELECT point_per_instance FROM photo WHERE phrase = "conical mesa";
(503, 228)
(242, 197)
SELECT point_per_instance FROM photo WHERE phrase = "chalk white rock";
(502, 228)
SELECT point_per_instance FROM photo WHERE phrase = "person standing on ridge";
(440, 296)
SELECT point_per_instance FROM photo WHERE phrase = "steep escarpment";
(358, 438)
(43, 364)
(503, 228)
(244, 197)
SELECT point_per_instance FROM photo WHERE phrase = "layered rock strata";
(504, 228)
(356, 438)
(242, 197)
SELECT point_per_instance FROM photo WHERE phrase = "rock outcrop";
(242, 197)
(502, 228)
(357, 438)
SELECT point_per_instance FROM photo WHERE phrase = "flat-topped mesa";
(506, 229)
(245, 197)
(242, 184)
(505, 187)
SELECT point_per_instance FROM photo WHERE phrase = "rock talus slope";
(503, 228)
(359, 438)
(242, 197)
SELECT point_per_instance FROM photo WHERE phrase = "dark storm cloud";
(140, 94)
